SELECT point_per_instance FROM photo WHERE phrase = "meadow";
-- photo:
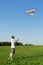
(25, 55)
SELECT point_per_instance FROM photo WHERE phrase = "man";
(13, 41)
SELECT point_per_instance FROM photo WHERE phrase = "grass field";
(25, 55)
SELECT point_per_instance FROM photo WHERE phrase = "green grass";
(25, 55)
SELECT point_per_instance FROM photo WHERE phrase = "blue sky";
(15, 21)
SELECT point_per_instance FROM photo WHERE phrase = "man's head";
(12, 37)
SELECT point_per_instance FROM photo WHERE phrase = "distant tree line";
(9, 43)
(17, 44)
(28, 44)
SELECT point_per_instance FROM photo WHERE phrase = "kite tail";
(36, 16)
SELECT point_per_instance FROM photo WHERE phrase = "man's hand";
(17, 40)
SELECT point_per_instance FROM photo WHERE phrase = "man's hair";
(12, 37)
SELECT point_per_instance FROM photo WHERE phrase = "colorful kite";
(31, 12)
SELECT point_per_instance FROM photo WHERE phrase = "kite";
(31, 12)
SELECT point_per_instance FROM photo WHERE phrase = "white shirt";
(12, 43)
